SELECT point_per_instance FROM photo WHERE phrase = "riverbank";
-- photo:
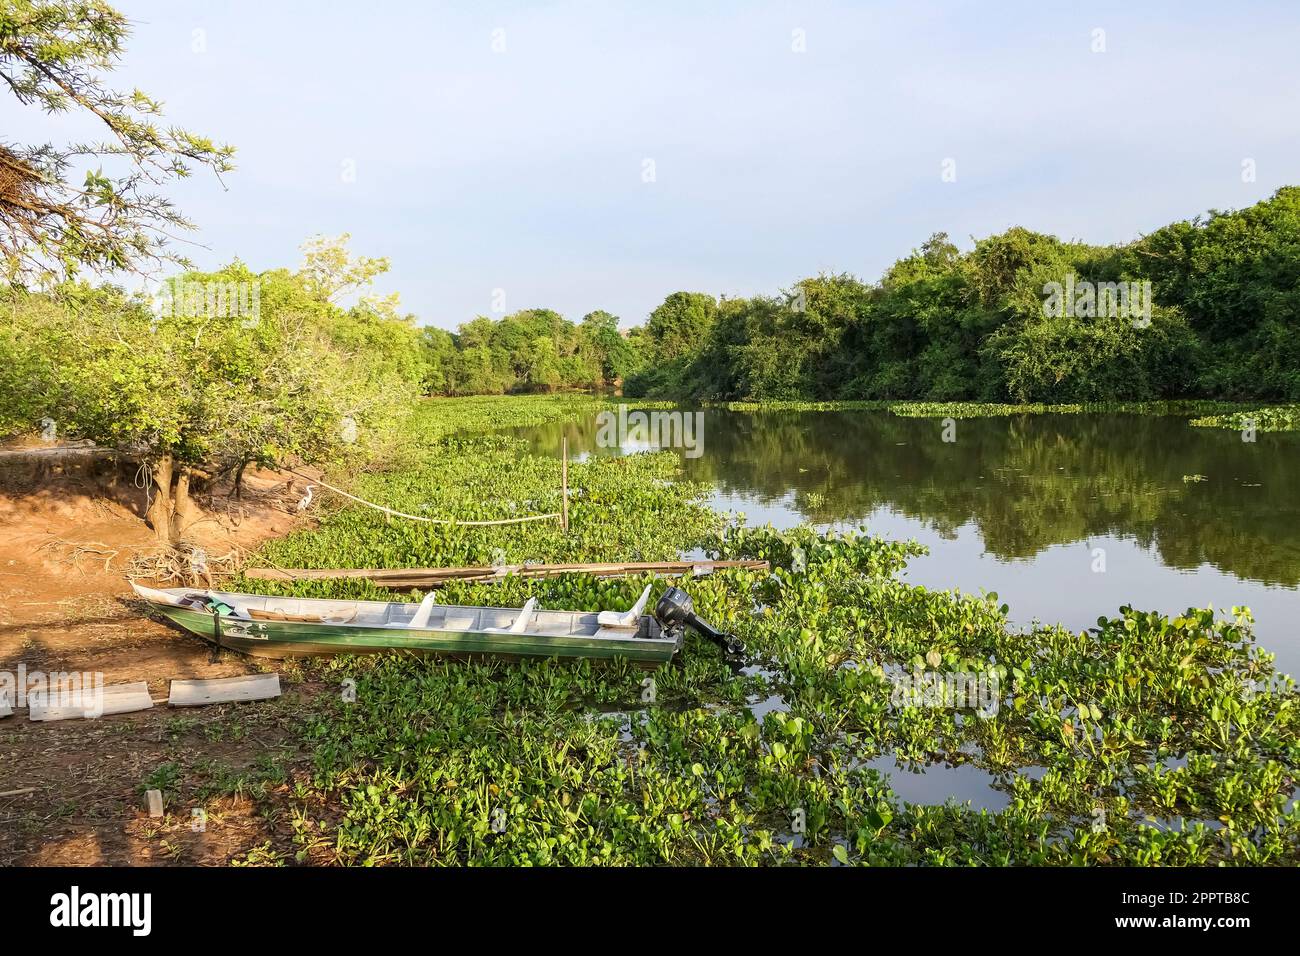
(1145, 740)
(1203, 412)
(68, 532)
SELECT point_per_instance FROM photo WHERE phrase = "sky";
(582, 156)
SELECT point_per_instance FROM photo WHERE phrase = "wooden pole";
(564, 484)
(400, 578)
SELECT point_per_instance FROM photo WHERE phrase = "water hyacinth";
(1143, 740)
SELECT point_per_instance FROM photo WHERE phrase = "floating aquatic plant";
(1147, 739)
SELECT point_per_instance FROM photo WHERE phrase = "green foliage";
(680, 325)
(1236, 276)
(1280, 419)
(330, 271)
(440, 471)
(1145, 740)
(282, 375)
(992, 325)
(535, 350)
(995, 409)
(617, 356)
(1200, 309)
(1057, 360)
(439, 418)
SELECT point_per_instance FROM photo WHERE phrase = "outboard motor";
(675, 610)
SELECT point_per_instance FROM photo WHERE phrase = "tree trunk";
(182, 507)
(159, 514)
(172, 511)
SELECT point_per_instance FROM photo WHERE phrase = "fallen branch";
(77, 551)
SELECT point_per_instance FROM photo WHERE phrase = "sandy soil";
(67, 534)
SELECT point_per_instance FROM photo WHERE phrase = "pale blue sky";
(523, 170)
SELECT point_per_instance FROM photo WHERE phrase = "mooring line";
(401, 514)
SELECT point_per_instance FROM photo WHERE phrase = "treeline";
(1021, 317)
(535, 350)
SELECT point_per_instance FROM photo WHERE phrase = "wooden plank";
(611, 567)
(340, 617)
(224, 690)
(621, 633)
(94, 702)
(399, 578)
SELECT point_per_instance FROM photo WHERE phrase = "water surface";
(1066, 517)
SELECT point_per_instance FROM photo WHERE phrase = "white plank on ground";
(6, 705)
(92, 702)
(224, 690)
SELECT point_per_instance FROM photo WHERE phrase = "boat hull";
(281, 639)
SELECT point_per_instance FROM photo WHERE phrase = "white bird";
(302, 505)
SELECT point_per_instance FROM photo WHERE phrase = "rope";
(400, 514)
(144, 479)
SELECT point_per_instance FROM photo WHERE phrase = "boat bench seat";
(425, 614)
(629, 618)
(520, 623)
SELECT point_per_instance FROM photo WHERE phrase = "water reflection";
(1030, 506)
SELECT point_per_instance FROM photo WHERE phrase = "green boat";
(266, 626)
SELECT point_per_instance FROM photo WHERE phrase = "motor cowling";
(676, 609)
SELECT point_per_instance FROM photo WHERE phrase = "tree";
(526, 350)
(614, 354)
(680, 325)
(543, 366)
(438, 350)
(475, 371)
(52, 55)
(1236, 278)
(195, 391)
(329, 270)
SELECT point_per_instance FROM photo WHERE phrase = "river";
(1066, 517)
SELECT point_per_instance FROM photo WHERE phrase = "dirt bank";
(69, 530)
